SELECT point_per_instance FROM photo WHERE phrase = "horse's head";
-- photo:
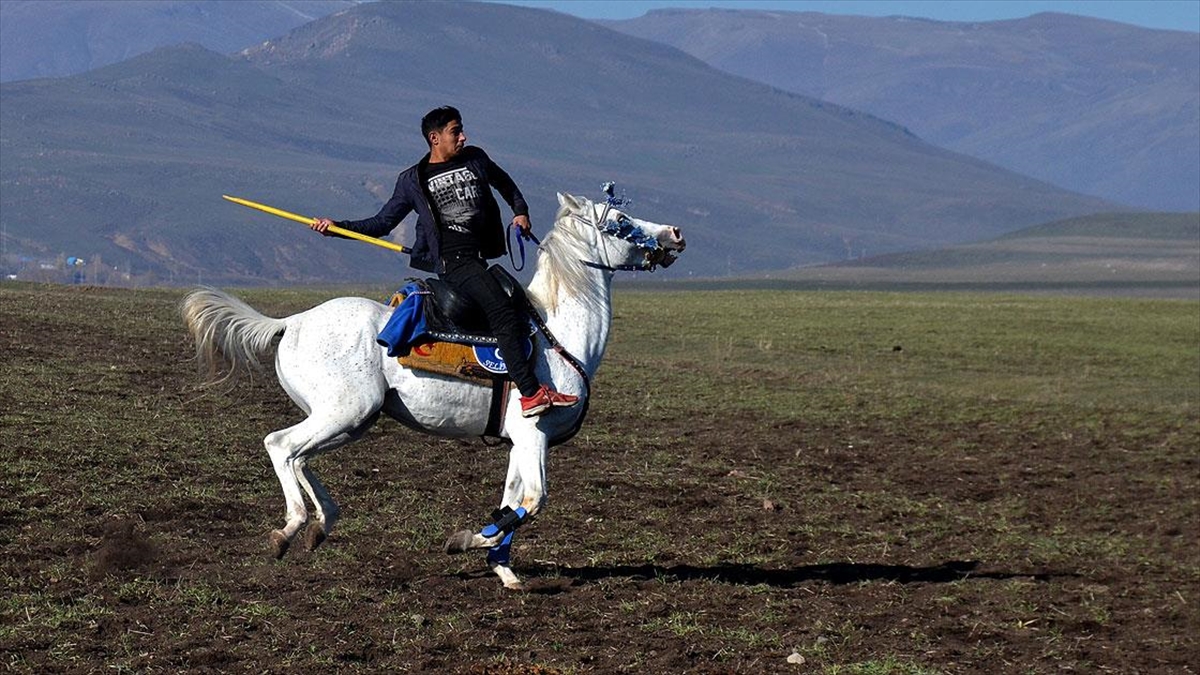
(620, 241)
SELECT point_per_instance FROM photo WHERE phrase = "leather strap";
(574, 363)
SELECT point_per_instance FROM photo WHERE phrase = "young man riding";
(458, 230)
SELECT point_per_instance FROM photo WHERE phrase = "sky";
(1169, 14)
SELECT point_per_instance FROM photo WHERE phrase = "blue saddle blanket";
(407, 324)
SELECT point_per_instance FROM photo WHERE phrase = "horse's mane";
(561, 273)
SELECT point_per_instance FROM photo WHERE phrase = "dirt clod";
(122, 547)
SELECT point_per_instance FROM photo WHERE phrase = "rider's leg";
(470, 277)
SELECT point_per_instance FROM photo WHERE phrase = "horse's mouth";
(661, 258)
(667, 251)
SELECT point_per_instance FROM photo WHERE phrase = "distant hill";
(128, 162)
(57, 38)
(1099, 107)
(1133, 253)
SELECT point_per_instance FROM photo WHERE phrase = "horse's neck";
(581, 320)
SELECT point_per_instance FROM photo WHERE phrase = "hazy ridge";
(128, 162)
(1095, 106)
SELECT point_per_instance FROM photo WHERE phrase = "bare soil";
(718, 544)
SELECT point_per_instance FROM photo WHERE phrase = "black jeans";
(469, 276)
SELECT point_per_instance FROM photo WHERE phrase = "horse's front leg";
(524, 496)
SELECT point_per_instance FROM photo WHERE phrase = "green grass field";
(879, 483)
(776, 349)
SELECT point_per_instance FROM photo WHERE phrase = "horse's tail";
(228, 333)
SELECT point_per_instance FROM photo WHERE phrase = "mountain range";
(57, 38)
(128, 161)
(1094, 106)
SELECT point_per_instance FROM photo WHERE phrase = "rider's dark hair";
(437, 119)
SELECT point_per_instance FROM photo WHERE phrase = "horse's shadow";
(749, 575)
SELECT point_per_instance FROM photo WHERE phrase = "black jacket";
(411, 195)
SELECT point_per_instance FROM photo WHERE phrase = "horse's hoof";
(279, 543)
(510, 580)
(314, 535)
(460, 542)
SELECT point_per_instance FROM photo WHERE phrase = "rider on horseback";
(458, 229)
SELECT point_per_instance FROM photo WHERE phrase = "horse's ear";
(569, 202)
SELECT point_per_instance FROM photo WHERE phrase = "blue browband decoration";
(623, 227)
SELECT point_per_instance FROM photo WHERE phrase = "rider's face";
(448, 140)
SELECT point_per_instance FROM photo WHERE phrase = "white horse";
(330, 365)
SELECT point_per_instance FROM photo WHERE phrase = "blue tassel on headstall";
(611, 199)
(623, 228)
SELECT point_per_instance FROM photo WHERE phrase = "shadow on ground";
(750, 575)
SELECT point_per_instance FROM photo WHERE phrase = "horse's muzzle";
(671, 243)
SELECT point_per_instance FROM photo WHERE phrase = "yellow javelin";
(309, 221)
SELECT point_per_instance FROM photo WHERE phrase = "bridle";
(621, 228)
(625, 229)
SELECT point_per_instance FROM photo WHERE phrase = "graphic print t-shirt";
(455, 192)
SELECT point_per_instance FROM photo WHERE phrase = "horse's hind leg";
(327, 509)
(290, 450)
(279, 449)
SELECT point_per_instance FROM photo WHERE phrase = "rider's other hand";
(522, 223)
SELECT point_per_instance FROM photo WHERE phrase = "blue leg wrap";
(499, 554)
(507, 520)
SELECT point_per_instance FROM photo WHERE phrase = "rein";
(521, 237)
(621, 231)
(536, 318)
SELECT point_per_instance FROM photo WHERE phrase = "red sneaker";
(543, 400)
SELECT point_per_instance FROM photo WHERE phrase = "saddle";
(446, 334)
(437, 330)
(455, 318)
